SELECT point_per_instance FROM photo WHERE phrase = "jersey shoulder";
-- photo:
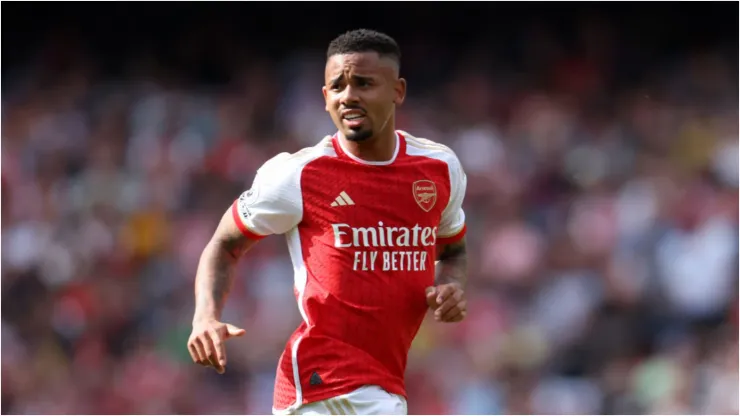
(289, 165)
(418, 146)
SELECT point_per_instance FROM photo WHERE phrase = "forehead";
(366, 63)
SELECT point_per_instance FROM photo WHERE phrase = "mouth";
(353, 118)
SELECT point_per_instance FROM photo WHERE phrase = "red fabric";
(362, 309)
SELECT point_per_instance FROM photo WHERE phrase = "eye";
(335, 87)
(363, 83)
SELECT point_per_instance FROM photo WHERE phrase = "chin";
(358, 135)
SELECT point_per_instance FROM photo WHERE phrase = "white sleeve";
(452, 225)
(273, 205)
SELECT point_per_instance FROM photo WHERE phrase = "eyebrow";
(356, 77)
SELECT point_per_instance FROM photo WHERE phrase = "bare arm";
(271, 206)
(447, 297)
(212, 284)
(453, 264)
(214, 277)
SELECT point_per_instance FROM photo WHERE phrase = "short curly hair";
(365, 40)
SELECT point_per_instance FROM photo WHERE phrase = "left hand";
(448, 302)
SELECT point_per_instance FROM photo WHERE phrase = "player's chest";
(400, 195)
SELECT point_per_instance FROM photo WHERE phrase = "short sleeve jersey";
(363, 239)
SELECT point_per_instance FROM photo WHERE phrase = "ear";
(326, 103)
(400, 89)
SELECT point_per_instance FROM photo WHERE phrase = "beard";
(359, 135)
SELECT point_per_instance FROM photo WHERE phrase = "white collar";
(368, 162)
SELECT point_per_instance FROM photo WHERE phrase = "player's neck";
(380, 148)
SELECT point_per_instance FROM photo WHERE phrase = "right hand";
(207, 343)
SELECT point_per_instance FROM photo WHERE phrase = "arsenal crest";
(425, 194)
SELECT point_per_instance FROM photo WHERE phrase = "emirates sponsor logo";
(405, 248)
(382, 236)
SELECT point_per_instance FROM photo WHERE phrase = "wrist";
(449, 280)
(201, 317)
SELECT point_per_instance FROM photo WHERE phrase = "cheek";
(383, 108)
(332, 104)
(381, 105)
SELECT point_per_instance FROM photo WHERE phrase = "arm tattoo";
(215, 274)
(234, 244)
(453, 264)
(221, 280)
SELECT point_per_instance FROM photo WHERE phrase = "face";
(361, 92)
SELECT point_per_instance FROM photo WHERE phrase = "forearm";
(216, 268)
(213, 281)
(453, 264)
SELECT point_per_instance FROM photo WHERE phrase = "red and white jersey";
(362, 237)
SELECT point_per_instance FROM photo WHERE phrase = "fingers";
(455, 313)
(199, 347)
(233, 331)
(448, 305)
(193, 352)
(215, 350)
(448, 302)
(431, 293)
(220, 350)
(200, 351)
(444, 292)
(456, 318)
(207, 344)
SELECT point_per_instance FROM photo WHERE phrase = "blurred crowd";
(602, 215)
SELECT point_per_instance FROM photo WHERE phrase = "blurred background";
(600, 143)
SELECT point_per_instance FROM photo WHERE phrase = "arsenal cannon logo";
(425, 194)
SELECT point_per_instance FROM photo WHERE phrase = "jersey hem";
(330, 394)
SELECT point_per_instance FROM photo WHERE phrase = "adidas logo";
(315, 379)
(343, 199)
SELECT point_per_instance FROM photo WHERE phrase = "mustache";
(352, 107)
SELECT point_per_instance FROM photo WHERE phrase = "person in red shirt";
(367, 213)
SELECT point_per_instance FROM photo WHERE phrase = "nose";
(349, 96)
